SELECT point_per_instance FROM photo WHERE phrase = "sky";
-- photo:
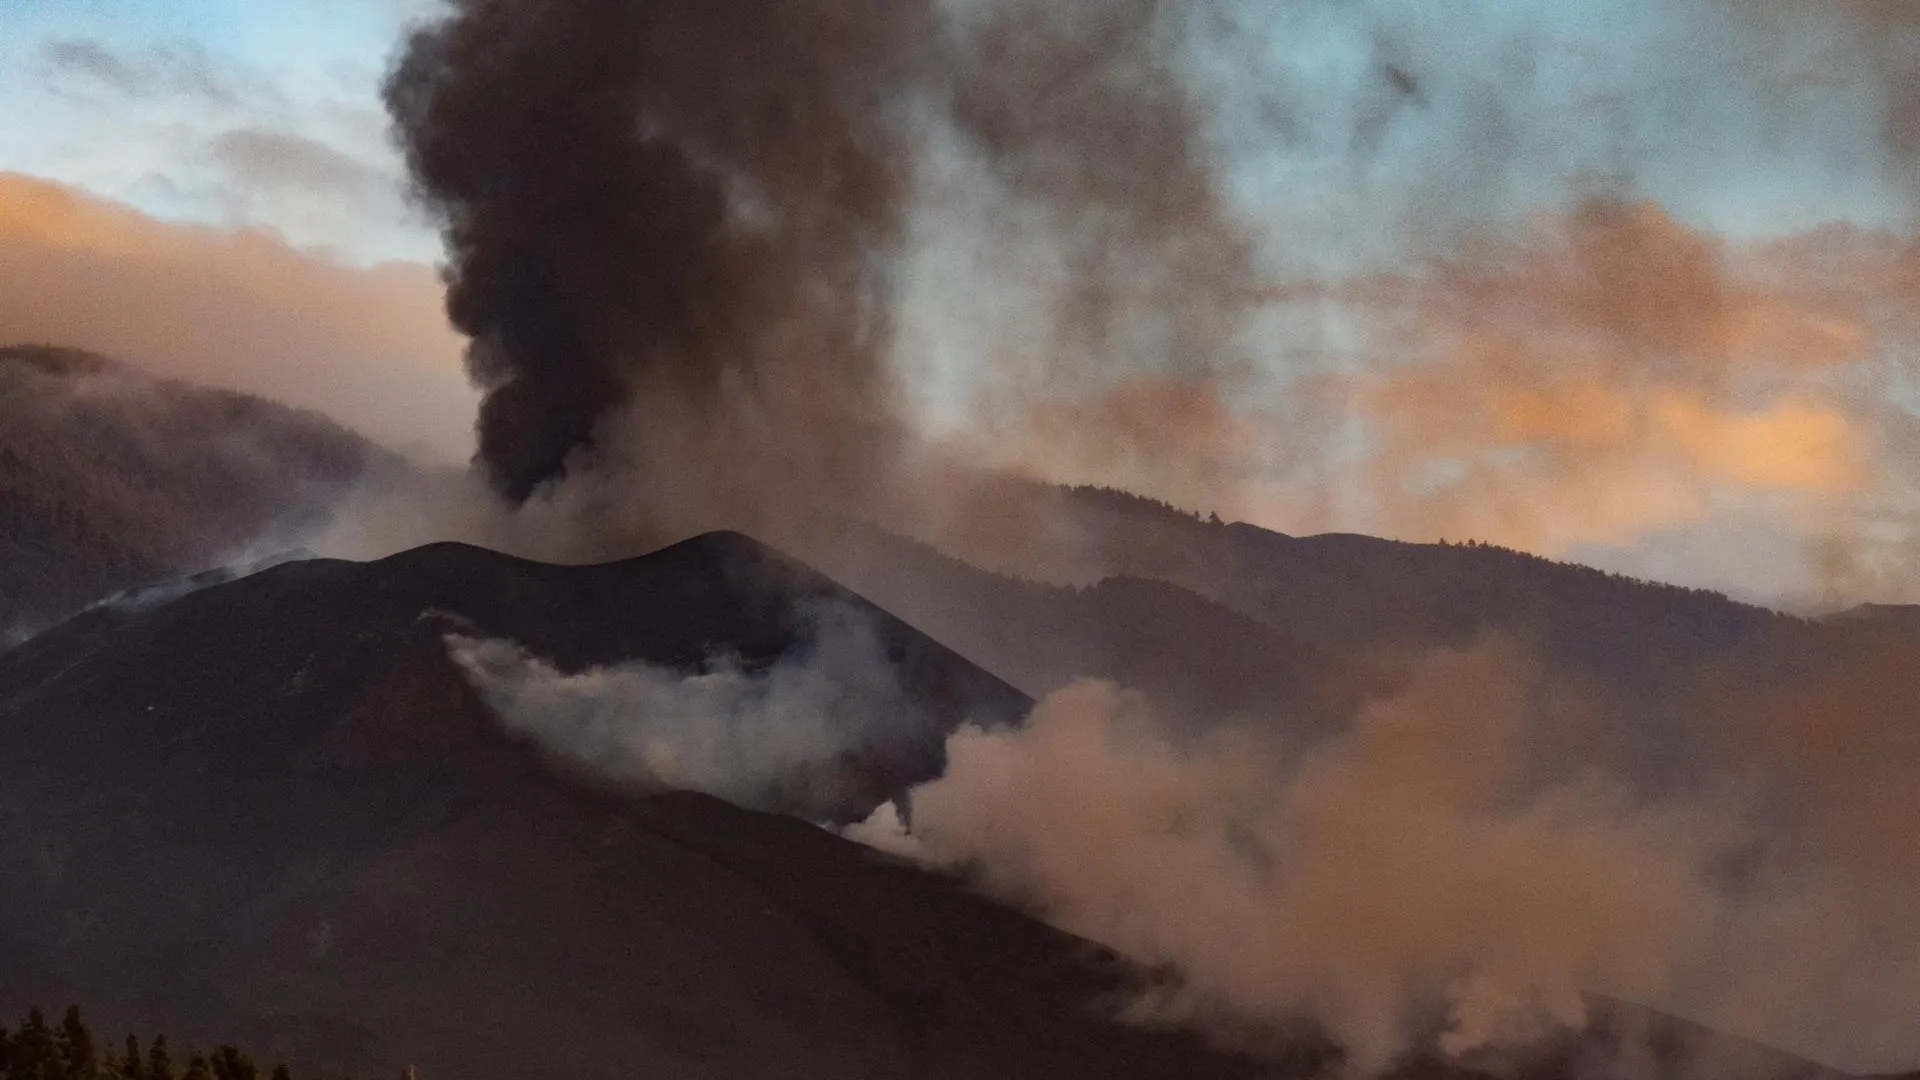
(216, 111)
(1620, 281)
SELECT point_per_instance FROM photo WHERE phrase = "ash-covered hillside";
(283, 810)
(110, 478)
(276, 809)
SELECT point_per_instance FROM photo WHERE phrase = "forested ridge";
(110, 478)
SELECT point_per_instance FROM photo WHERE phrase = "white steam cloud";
(773, 737)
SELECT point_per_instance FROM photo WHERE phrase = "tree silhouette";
(39, 1051)
(159, 1061)
(36, 1056)
(76, 1047)
(230, 1064)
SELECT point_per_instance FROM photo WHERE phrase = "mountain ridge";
(111, 478)
(273, 808)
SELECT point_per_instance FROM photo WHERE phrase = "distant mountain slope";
(1886, 618)
(1264, 621)
(272, 808)
(1199, 660)
(1343, 590)
(110, 478)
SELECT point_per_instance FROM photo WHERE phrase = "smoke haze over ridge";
(1461, 868)
(847, 246)
(238, 310)
(1353, 215)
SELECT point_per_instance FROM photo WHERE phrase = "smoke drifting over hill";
(111, 478)
(241, 310)
(1460, 869)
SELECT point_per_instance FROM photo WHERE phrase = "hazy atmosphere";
(1304, 539)
(1615, 281)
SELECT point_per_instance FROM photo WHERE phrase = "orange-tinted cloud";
(1586, 376)
(244, 310)
(1611, 370)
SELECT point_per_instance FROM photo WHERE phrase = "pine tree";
(76, 1047)
(159, 1061)
(35, 1054)
(40, 1051)
(230, 1064)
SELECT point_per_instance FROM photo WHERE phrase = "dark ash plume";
(684, 201)
(636, 193)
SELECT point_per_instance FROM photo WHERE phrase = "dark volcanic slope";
(272, 809)
(110, 478)
(286, 664)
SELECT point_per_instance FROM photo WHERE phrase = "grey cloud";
(183, 68)
(89, 57)
(258, 158)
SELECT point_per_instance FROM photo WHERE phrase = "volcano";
(274, 809)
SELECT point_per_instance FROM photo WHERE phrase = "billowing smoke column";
(638, 195)
(698, 201)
